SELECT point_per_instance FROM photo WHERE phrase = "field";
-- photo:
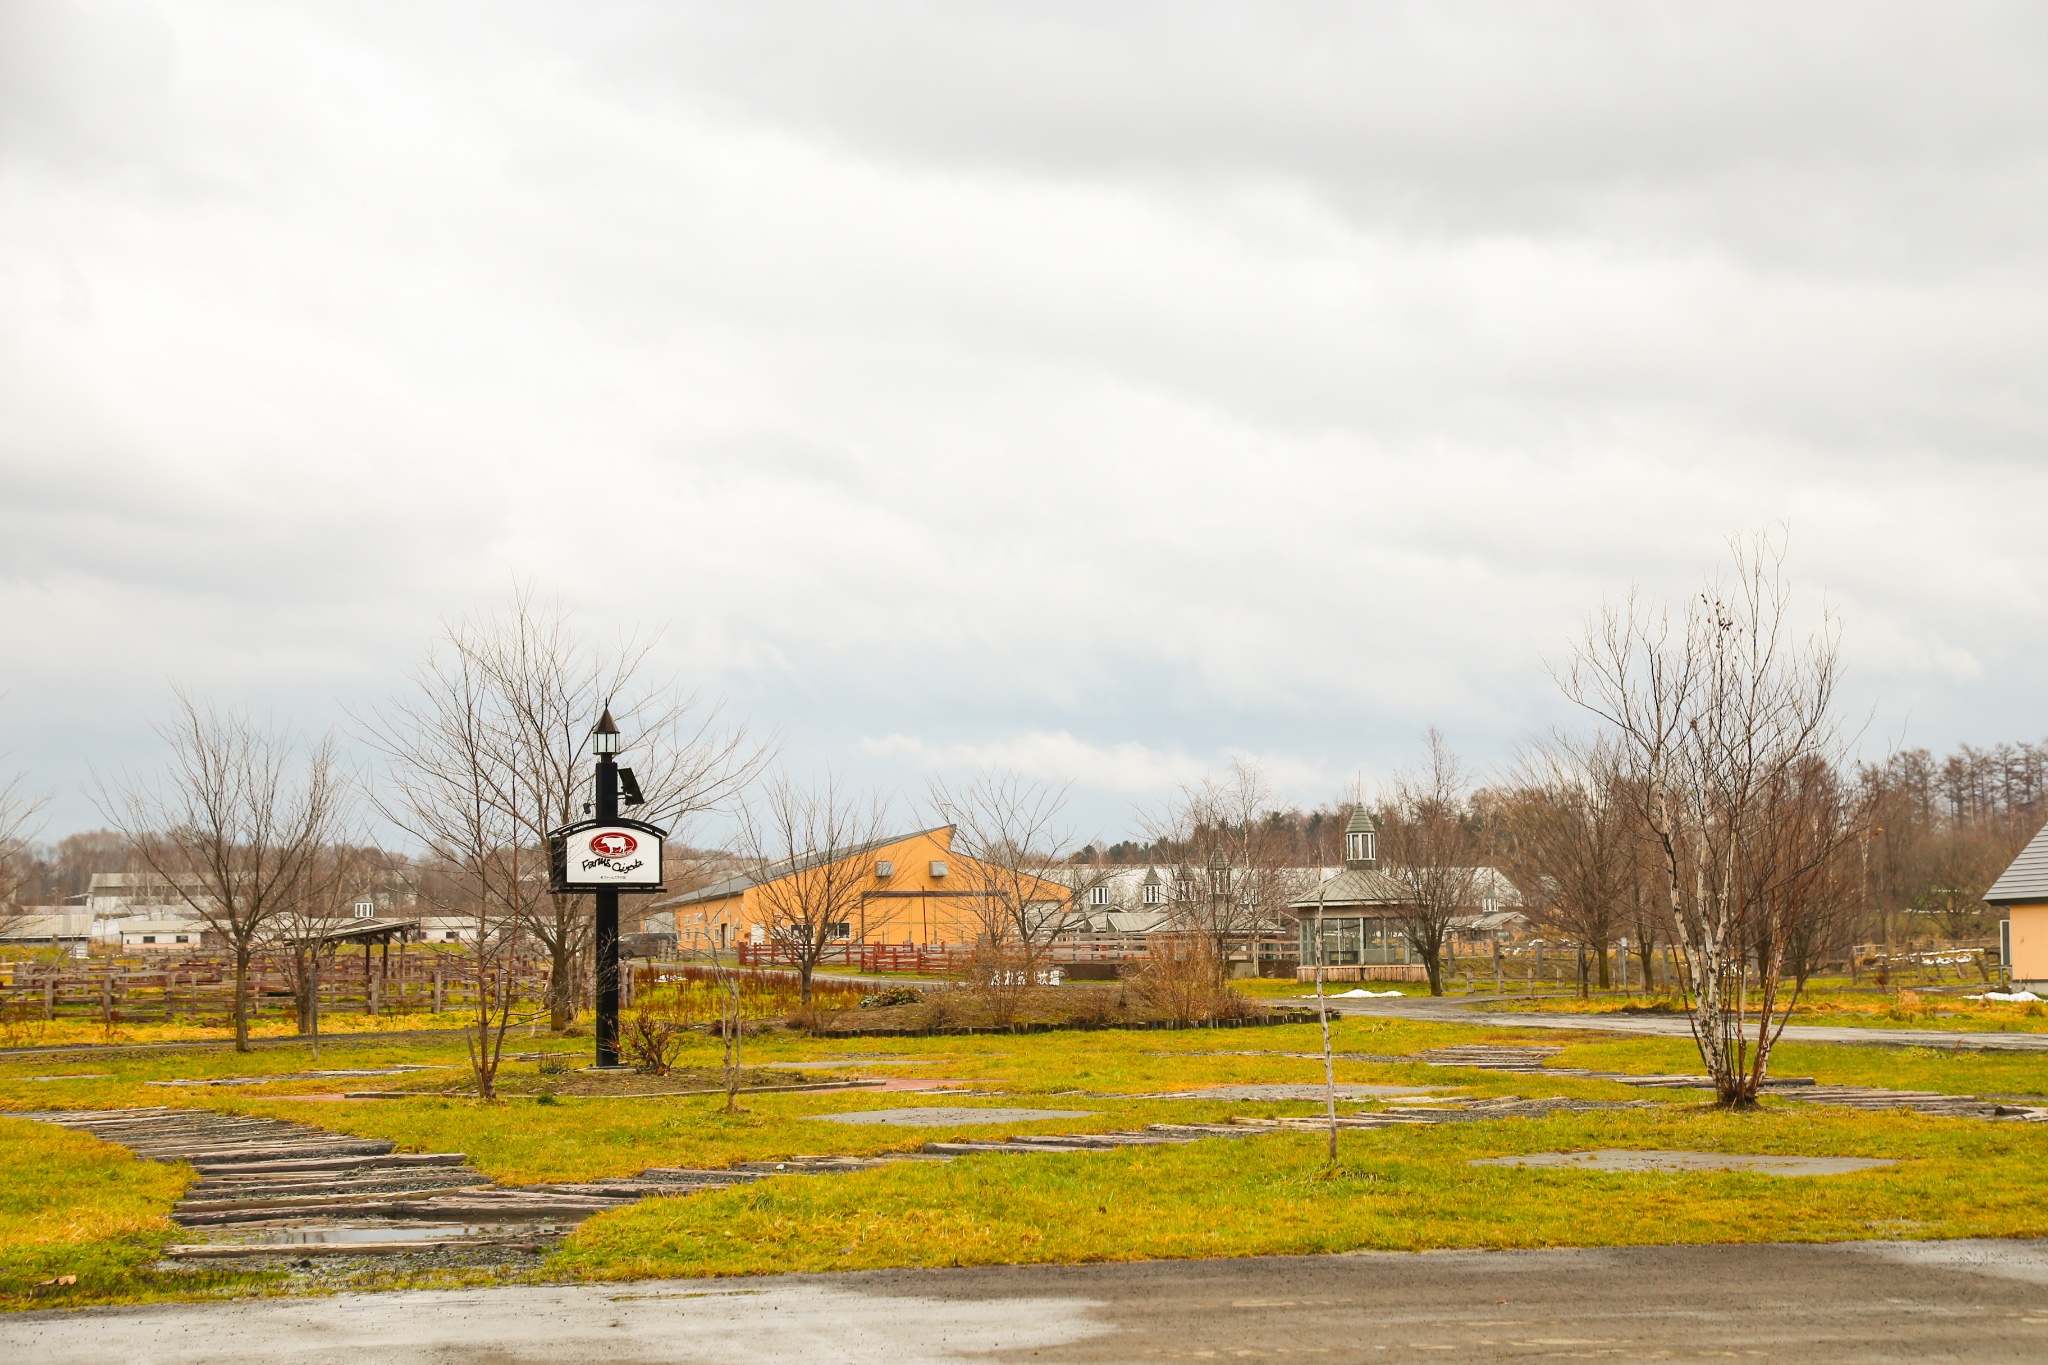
(1951, 1008)
(70, 1205)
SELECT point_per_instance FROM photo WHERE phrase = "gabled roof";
(2027, 879)
(733, 886)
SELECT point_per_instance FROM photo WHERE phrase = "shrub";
(938, 1012)
(1182, 978)
(894, 995)
(653, 1042)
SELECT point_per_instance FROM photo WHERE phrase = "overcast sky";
(1104, 390)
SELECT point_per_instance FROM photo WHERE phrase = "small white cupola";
(1361, 840)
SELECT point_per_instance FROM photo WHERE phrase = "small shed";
(2022, 892)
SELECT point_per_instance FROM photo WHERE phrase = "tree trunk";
(1606, 971)
(306, 997)
(241, 997)
(561, 985)
(1433, 963)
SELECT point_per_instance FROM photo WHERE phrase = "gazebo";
(1350, 922)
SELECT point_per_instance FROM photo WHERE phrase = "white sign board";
(623, 857)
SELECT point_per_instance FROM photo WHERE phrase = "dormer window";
(1154, 893)
(1359, 847)
(1098, 895)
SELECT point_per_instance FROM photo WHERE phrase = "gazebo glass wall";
(1352, 941)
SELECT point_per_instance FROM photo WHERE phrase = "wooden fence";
(199, 990)
(935, 960)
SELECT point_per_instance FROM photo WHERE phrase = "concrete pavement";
(1864, 1302)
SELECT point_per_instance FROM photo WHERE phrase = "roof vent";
(884, 869)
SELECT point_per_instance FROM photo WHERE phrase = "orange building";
(909, 889)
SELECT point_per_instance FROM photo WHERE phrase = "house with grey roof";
(2022, 892)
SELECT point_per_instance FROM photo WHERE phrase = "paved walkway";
(1460, 1010)
(1869, 1301)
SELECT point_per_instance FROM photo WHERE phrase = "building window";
(1154, 893)
(366, 909)
(842, 930)
(183, 939)
(149, 938)
(1098, 895)
(1359, 847)
(884, 870)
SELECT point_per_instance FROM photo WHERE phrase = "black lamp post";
(604, 741)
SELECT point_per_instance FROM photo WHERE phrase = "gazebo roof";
(1354, 886)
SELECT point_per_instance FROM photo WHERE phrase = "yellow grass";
(73, 1205)
(1395, 1190)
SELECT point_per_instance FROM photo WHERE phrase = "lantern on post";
(606, 856)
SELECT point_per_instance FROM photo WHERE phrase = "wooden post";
(437, 991)
(50, 999)
(375, 994)
(170, 999)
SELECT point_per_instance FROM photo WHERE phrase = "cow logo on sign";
(613, 844)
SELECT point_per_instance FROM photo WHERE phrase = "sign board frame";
(580, 862)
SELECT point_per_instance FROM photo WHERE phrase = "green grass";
(1394, 1190)
(584, 1139)
(1903, 1009)
(73, 1205)
(1950, 1071)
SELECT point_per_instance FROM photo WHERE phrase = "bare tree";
(1572, 844)
(234, 825)
(447, 778)
(18, 811)
(1245, 856)
(1013, 833)
(538, 687)
(1429, 852)
(803, 841)
(299, 931)
(1720, 725)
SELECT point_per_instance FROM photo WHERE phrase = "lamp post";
(604, 742)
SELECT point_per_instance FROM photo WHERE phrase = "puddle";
(417, 1232)
(941, 1117)
(1614, 1159)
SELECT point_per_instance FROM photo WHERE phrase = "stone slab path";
(1448, 1011)
(271, 1188)
(1535, 1061)
(1630, 1161)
